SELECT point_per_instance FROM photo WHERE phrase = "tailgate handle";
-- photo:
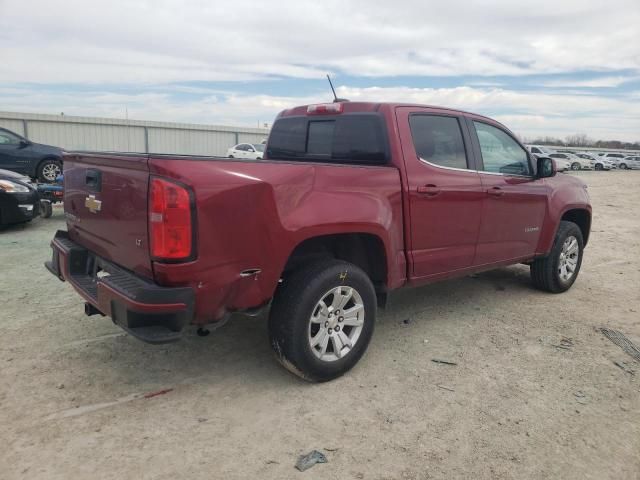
(93, 180)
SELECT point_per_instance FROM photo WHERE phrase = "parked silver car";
(575, 162)
(599, 162)
(632, 162)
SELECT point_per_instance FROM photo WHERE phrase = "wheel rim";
(623, 166)
(336, 323)
(50, 171)
(575, 166)
(568, 261)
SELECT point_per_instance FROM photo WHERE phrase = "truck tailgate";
(106, 207)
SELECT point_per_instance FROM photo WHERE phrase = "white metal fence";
(119, 135)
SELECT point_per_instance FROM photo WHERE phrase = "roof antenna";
(335, 97)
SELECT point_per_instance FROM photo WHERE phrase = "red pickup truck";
(351, 201)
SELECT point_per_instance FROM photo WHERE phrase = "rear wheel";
(49, 169)
(558, 271)
(322, 319)
(598, 166)
(575, 166)
(623, 166)
(230, 156)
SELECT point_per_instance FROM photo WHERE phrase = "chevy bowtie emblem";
(92, 204)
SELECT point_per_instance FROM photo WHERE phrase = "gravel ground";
(535, 392)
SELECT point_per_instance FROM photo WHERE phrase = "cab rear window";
(352, 138)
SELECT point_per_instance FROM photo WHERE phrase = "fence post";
(146, 139)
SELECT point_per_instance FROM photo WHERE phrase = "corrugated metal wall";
(119, 135)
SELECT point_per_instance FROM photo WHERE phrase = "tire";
(231, 156)
(623, 166)
(598, 166)
(297, 304)
(575, 166)
(546, 272)
(46, 209)
(49, 169)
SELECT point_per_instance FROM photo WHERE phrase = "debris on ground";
(444, 362)
(307, 461)
(445, 388)
(406, 321)
(625, 366)
(565, 343)
(159, 392)
(622, 341)
(581, 398)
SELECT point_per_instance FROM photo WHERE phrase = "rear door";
(515, 200)
(445, 193)
(106, 207)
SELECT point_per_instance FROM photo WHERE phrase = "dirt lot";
(516, 405)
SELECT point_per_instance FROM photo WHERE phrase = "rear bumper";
(147, 311)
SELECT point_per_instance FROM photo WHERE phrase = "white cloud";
(158, 47)
(527, 113)
(174, 40)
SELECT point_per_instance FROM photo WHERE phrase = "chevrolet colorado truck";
(351, 201)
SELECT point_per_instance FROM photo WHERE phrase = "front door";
(515, 200)
(444, 191)
(11, 152)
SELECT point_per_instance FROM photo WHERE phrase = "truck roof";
(356, 107)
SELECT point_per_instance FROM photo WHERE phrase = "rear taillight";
(170, 221)
(325, 109)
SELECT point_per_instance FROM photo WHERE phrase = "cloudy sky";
(541, 67)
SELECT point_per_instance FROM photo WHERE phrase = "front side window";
(500, 152)
(7, 138)
(438, 140)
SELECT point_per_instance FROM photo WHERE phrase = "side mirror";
(24, 143)
(546, 167)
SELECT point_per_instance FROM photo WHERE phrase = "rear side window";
(438, 140)
(344, 139)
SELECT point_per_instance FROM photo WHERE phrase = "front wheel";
(322, 319)
(558, 271)
(623, 166)
(598, 166)
(575, 166)
(49, 169)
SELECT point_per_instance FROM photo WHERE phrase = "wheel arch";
(364, 249)
(582, 218)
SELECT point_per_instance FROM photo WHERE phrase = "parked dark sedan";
(19, 199)
(18, 154)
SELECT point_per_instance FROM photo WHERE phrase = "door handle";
(430, 190)
(495, 191)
